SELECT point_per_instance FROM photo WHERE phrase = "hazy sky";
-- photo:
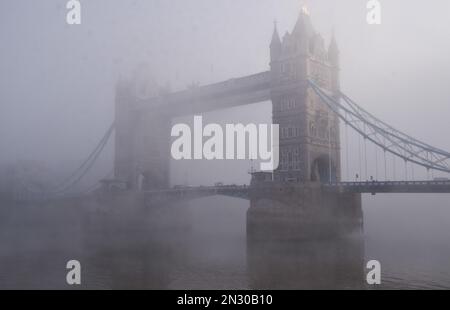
(57, 81)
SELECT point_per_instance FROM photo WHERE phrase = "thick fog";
(57, 80)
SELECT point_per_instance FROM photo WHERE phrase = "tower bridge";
(304, 87)
(307, 189)
(305, 199)
(309, 131)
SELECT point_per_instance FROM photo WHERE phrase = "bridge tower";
(309, 130)
(142, 141)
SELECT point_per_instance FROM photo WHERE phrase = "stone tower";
(142, 139)
(309, 130)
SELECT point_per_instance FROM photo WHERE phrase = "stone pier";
(301, 236)
(302, 211)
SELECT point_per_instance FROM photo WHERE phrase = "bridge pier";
(300, 231)
(302, 211)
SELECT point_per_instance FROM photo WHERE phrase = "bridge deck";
(243, 191)
(239, 191)
(374, 187)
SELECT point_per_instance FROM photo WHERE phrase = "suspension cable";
(393, 157)
(85, 171)
(376, 163)
(385, 166)
(400, 144)
(406, 170)
(346, 151)
(365, 155)
(329, 149)
(359, 151)
(80, 172)
(85, 163)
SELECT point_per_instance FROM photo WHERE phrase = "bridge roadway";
(374, 187)
(243, 191)
(193, 192)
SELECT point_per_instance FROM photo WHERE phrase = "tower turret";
(333, 59)
(275, 44)
(333, 52)
(303, 30)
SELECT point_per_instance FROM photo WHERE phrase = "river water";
(206, 248)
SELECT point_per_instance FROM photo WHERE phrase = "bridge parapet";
(374, 187)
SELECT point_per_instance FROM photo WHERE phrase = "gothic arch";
(320, 169)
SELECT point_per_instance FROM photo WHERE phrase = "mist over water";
(409, 235)
(205, 248)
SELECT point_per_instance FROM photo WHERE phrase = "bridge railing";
(384, 183)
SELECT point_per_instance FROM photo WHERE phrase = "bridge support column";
(125, 130)
(300, 236)
(142, 143)
(152, 145)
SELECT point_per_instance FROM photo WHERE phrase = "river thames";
(206, 248)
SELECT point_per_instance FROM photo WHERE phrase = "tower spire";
(333, 50)
(275, 44)
(275, 36)
(304, 9)
(303, 25)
